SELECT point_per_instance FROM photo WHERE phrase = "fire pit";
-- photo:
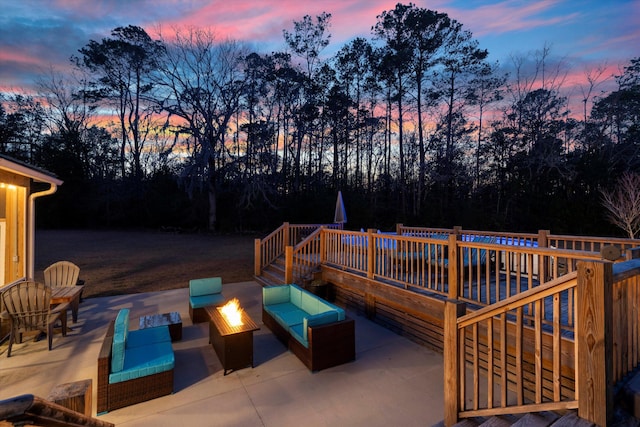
(231, 335)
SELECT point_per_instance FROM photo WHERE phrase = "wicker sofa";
(316, 331)
(133, 366)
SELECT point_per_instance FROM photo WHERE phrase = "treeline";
(413, 125)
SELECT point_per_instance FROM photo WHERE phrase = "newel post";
(453, 265)
(285, 235)
(453, 360)
(323, 244)
(544, 263)
(288, 264)
(257, 257)
(371, 253)
(594, 333)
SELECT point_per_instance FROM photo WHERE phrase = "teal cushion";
(296, 332)
(145, 360)
(275, 294)
(318, 319)
(295, 295)
(120, 329)
(122, 323)
(309, 303)
(281, 308)
(206, 300)
(146, 336)
(324, 306)
(209, 285)
(286, 314)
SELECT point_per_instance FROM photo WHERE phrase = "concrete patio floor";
(392, 382)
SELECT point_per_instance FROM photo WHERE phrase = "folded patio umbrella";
(340, 217)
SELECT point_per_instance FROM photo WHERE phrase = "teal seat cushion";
(146, 336)
(145, 360)
(120, 330)
(209, 285)
(299, 333)
(206, 300)
(286, 314)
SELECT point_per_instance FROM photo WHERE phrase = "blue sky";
(38, 34)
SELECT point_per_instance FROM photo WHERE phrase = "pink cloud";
(13, 56)
(510, 15)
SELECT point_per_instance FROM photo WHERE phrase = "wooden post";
(371, 253)
(257, 257)
(399, 229)
(595, 341)
(544, 265)
(633, 253)
(453, 360)
(323, 245)
(453, 266)
(285, 234)
(288, 265)
(75, 396)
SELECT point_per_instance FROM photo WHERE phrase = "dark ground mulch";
(123, 262)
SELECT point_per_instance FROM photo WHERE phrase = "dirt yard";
(123, 262)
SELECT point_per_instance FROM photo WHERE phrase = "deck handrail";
(625, 318)
(305, 257)
(512, 329)
(33, 410)
(591, 243)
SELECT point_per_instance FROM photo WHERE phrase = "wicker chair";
(28, 306)
(61, 273)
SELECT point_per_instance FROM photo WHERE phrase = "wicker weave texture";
(126, 393)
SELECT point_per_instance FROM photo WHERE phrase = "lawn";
(124, 262)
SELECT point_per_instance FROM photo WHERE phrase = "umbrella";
(340, 216)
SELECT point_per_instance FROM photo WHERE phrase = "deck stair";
(534, 419)
(273, 274)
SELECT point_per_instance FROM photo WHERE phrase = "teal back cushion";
(209, 285)
(275, 295)
(120, 330)
(310, 303)
(316, 320)
(295, 295)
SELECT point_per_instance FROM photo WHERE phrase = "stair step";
(539, 419)
(499, 421)
(571, 419)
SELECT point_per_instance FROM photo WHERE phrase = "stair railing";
(523, 357)
(510, 358)
(269, 249)
(304, 258)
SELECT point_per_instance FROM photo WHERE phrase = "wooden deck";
(507, 303)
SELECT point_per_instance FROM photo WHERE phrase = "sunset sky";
(38, 34)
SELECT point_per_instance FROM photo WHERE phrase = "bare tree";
(623, 204)
(203, 83)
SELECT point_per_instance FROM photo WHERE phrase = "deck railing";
(593, 244)
(626, 316)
